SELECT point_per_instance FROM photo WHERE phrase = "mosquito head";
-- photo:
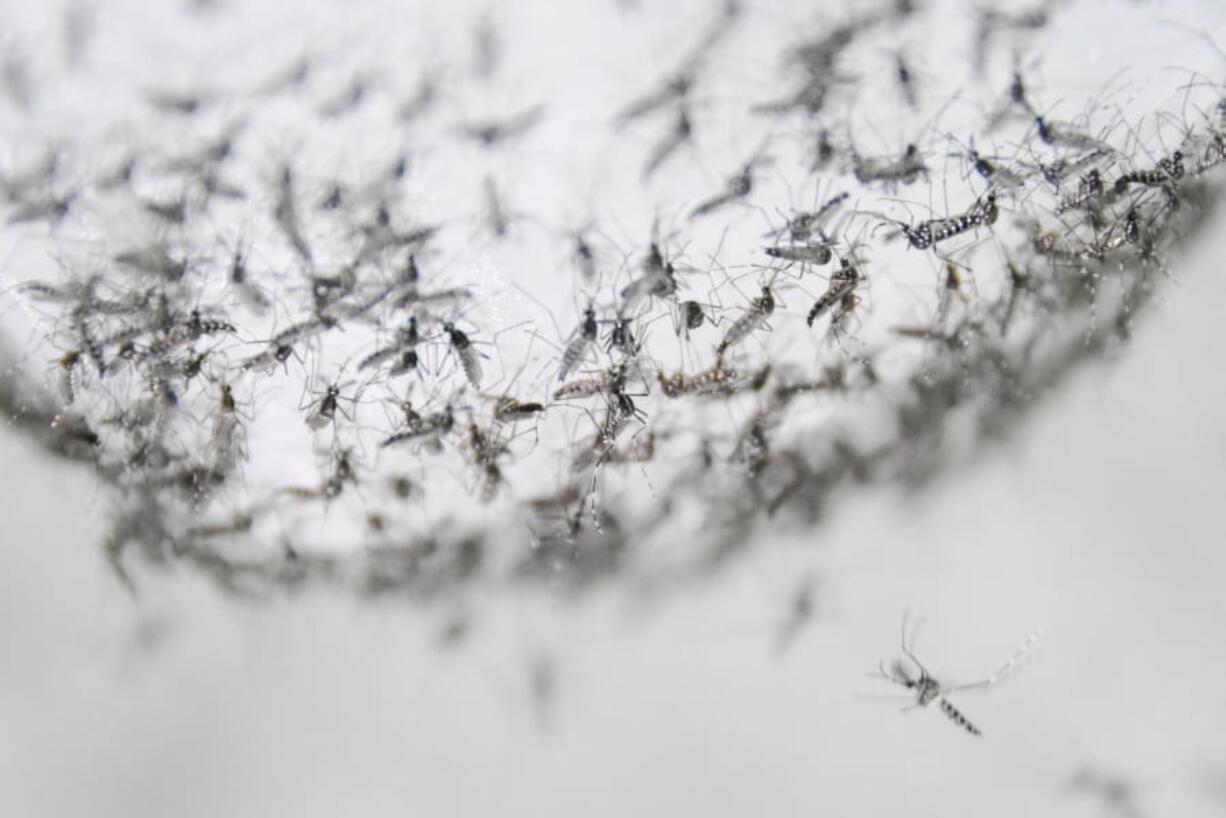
(458, 338)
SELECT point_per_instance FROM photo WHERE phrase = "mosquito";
(429, 429)
(508, 409)
(281, 346)
(659, 279)
(154, 260)
(691, 316)
(1170, 169)
(403, 350)
(286, 214)
(1089, 189)
(679, 134)
(716, 380)
(583, 255)
(497, 218)
(927, 689)
(486, 447)
(816, 253)
(342, 472)
(906, 81)
(753, 444)
(228, 435)
(470, 359)
(822, 151)
(322, 410)
(674, 88)
(804, 224)
(586, 387)
(69, 370)
(490, 132)
(928, 233)
(621, 338)
(576, 351)
(251, 296)
(737, 187)
(990, 170)
(1061, 134)
(843, 285)
(755, 317)
(903, 169)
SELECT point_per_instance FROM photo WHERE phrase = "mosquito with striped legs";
(928, 689)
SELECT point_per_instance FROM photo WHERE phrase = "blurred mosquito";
(346, 100)
(737, 187)
(990, 169)
(803, 224)
(402, 351)
(927, 689)
(491, 132)
(659, 280)
(286, 214)
(906, 81)
(429, 429)
(250, 295)
(719, 379)
(904, 169)
(606, 380)
(755, 317)
(577, 350)
(675, 88)
(322, 410)
(680, 133)
(424, 95)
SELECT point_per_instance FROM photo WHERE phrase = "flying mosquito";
(927, 689)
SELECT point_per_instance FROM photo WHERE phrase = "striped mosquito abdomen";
(957, 718)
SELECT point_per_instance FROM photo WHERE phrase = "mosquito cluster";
(328, 318)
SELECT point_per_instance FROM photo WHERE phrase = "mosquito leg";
(907, 650)
(1007, 669)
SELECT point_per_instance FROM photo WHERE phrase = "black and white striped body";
(842, 287)
(957, 718)
(1089, 190)
(930, 232)
(928, 690)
